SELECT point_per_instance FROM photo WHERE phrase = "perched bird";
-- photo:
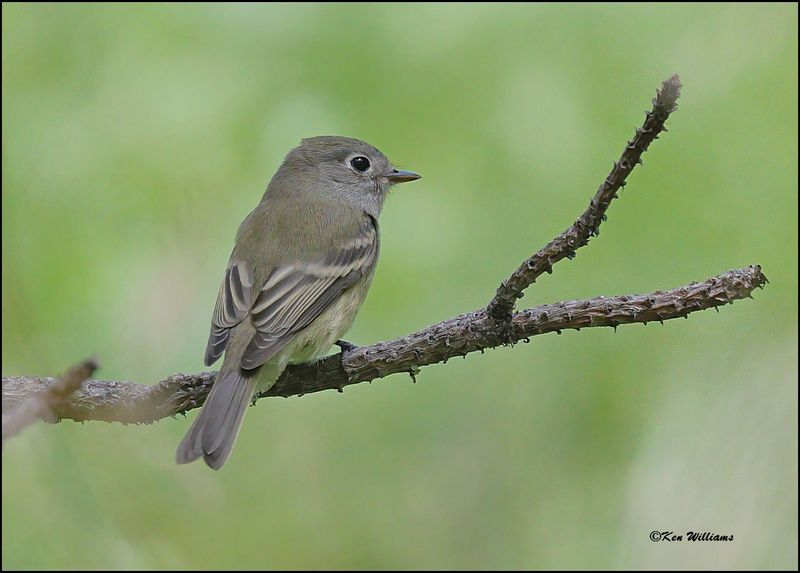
(300, 269)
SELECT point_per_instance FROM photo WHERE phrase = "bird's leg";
(347, 347)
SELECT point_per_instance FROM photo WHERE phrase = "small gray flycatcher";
(300, 269)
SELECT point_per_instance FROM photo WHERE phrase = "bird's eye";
(360, 163)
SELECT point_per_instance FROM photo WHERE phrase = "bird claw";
(347, 347)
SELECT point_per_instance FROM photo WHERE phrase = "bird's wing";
(294, 295)
(234, 301)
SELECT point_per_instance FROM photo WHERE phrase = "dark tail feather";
(215, 429)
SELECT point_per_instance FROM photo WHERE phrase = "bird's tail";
(215, 429)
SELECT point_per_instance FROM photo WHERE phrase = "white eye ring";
(359, 163)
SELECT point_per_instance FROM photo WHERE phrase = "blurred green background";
(136, 138)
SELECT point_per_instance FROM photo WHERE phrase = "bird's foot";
(347, 347)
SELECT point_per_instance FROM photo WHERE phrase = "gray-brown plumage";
(299, 272)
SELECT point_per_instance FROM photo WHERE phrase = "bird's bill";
(398, 176)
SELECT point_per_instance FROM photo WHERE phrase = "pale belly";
(310, 343)
(314, 341)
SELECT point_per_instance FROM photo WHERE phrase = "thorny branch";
(588, 224)
(128, 402)
(496, 325)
